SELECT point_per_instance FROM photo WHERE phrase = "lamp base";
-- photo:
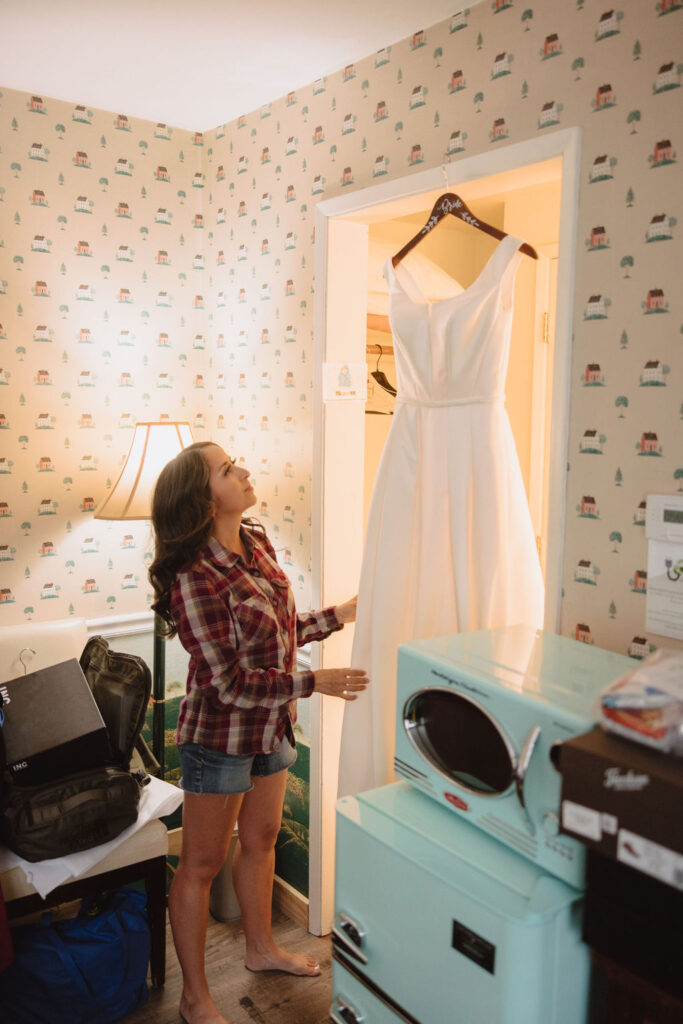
(159, 696)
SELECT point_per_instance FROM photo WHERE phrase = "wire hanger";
(381, 377)
(22, 652)
(451, 203)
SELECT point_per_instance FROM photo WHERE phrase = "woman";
(218, 586)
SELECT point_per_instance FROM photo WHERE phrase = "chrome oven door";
(467, 746)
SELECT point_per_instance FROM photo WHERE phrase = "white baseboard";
(121, 625)
(291, 902)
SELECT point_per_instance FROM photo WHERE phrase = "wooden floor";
(244, 997)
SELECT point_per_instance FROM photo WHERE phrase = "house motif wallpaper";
(146, 272)
(500, 71)
(103, 324)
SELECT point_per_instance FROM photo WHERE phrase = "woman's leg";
(253, 870)
(208, 824)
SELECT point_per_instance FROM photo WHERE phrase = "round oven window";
(461, 740)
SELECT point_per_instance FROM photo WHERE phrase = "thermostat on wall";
(664, 517)
(664, 530)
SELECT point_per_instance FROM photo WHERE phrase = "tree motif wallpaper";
(148, 271)
(103, 324)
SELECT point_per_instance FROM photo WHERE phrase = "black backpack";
(121, 685)
(77, 811)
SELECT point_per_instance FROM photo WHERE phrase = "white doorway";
(353, 233)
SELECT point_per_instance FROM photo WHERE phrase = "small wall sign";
(343, 382)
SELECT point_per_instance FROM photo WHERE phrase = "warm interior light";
(153, 445)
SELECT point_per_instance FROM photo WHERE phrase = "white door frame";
(341, 339)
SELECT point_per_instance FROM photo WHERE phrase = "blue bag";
(91, 969)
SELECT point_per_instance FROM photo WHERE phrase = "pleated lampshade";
(153, 445)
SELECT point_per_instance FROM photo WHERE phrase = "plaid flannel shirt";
(237, 621)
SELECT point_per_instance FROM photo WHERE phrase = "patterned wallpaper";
(146, 271)
(103, 324)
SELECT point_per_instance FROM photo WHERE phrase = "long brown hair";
(182, 517)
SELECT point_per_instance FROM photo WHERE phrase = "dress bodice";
(454, 350)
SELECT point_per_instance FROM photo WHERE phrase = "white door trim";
(325, 717)
(544, 328)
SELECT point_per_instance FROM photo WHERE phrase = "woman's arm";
(206, 631)
(346, 612)
(318, 625)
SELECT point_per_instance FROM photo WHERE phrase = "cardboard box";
(625, 801)
(51, 725)
(635, 920)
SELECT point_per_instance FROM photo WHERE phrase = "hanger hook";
(22, 652)
(378, 357)
(445, 175)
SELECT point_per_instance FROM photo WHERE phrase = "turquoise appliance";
(437, 923)
(480, 722)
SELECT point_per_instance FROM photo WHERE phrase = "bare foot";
(200, 1013)
(277, 959)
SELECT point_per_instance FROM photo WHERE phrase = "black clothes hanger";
(451, 203)
(381, 377)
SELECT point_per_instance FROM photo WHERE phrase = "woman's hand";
(346, 683)
(347, 612)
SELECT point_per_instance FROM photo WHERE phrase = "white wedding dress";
(449, 543)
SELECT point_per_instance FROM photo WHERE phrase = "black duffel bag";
(70, 814)
(76, 811)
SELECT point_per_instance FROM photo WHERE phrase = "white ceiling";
(196, 64)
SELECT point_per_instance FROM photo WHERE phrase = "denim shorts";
(208, 771)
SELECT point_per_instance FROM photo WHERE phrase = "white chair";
(141, 857)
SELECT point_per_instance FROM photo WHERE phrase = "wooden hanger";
(451, 203)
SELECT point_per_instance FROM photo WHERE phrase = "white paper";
(584, 821)
(343, 382)
(609, 823)
(157, 799)
(664, 613)
(650, 858)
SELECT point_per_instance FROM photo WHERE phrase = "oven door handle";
(348, 946)
(347, 1013)
(525, 756)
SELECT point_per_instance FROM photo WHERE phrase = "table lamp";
(153, 445)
